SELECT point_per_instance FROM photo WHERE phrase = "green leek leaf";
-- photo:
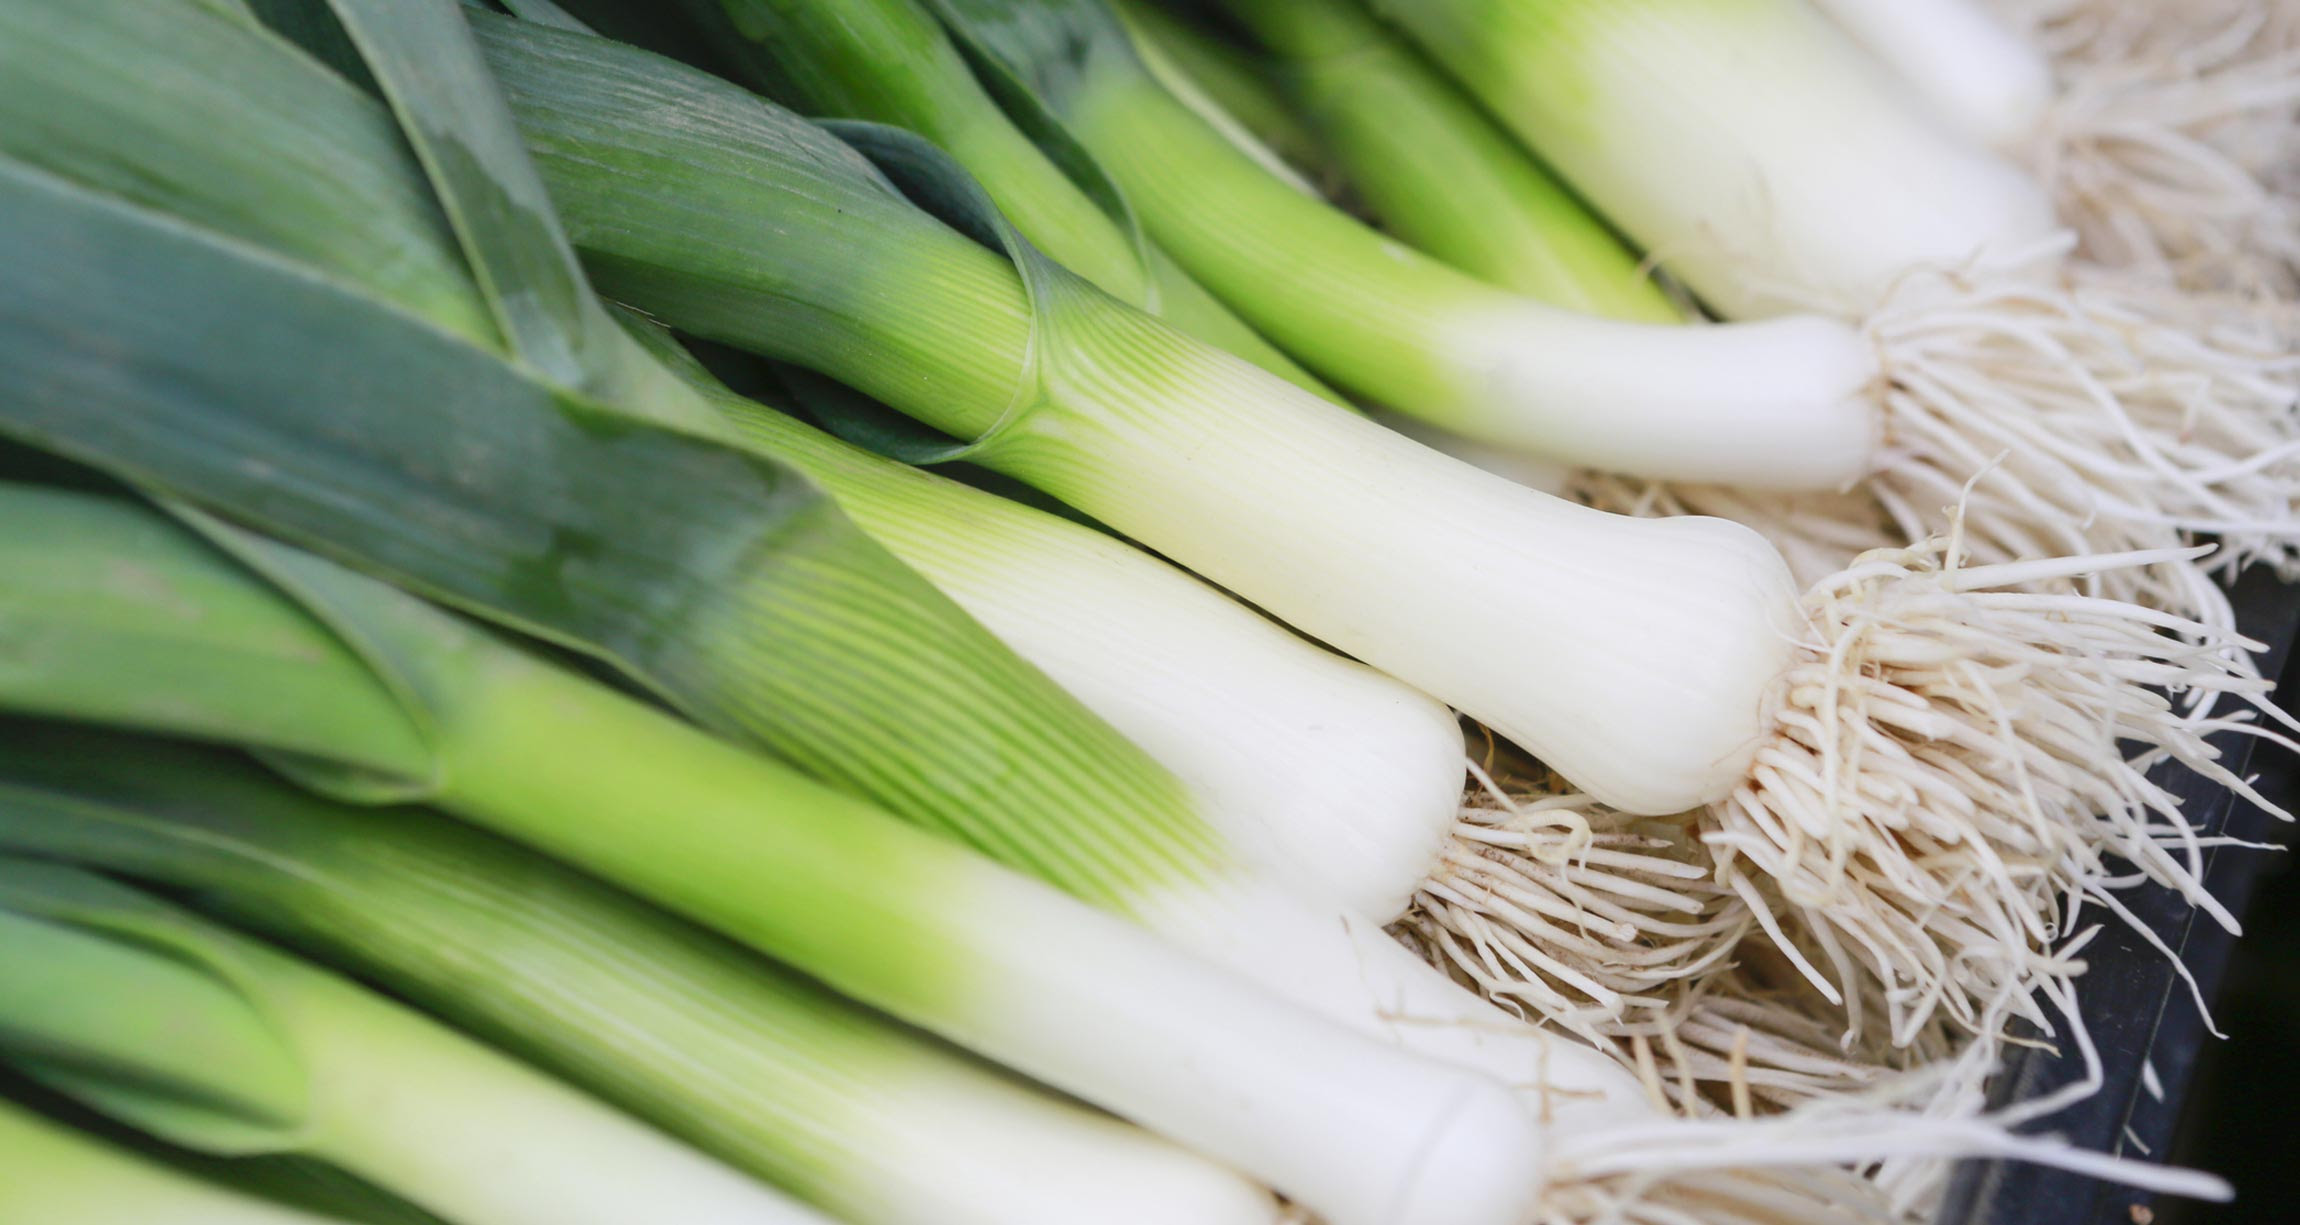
(160, 1021)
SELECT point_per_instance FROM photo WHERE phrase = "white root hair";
(1820, 1195)
(1878, 1144)
(2065, 412)
(2087, 415)
(1776, 1162)
(1958, 759)
(2175, 139)
(1561, 910)
(1761, 1040)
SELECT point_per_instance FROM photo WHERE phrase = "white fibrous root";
(1883, 1157)
(1562, 910)
(1754, 1041)
(2173, 142)
(1959, 757)
(2087, 415)
(2063, 412)
(1814, 1196)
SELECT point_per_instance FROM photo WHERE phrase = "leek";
(1309, 762)
(895, 917)
(1440, 173)
(1777, 161)
(1769, 162)
(1783, 403)
(50, 1172)
(1677, 665)
(747, 1061)
(218, 1043)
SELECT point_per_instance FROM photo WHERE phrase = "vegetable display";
(1532, 611)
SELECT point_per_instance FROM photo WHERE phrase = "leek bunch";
(1652, 703)
(742, 819)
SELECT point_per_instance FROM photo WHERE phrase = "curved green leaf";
(168, 104)
(421, 54)
(722, 582)
(110, 612)
(152, 1016)
(738, 1055)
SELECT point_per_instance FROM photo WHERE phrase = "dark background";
(2243, 1118)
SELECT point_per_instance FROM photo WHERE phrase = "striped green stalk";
(749, 1062)
(52, 1173)
(1309, 764)
(1233, 87)
(216, 1042)
(890, 915)
(927, 317)
(887, 61)
(1437, 171)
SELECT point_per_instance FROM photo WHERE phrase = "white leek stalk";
(53, 1173)
(1774, 160)
(1976, 73)
(2165, 131)
(218, 1043)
